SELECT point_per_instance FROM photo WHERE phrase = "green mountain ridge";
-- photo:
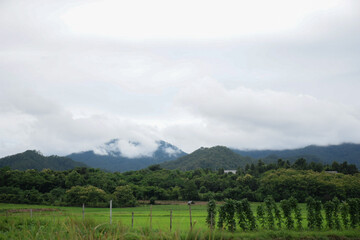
(32, 159)
(213, 158)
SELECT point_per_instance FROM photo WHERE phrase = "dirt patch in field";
(169, 202)
(335, 237)
(33, 209)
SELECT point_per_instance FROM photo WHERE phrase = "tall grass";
(44, 228)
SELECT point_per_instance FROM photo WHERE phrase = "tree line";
(95, 187)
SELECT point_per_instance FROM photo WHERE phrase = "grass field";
(123, 216)
(67, 223)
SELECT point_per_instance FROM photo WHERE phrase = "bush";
(211, 213)
(90, 195)
(124, 197)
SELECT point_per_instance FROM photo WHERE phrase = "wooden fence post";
(170, 220)
(110, 211)
(190, 217)
(83, 211)
(132, 219)
(150, 216)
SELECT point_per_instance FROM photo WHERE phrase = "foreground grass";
(44, 228)
(67, 223)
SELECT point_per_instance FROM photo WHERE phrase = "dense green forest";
(95, 187)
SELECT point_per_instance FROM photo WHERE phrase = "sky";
(244, 74)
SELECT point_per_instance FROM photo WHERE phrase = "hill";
(32, 159)
(212, 158)
(112, 159)
(349, 152)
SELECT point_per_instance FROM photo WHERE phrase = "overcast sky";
(245, 74)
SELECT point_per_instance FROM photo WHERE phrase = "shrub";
(336, 213)
(318, 216)
(260, 213)
(286, 208)
(211, 213)
(90, 195)
(310, 207)
(269, 202)
(152, 200)
(344, 210)
(354, 211)
(329, 212)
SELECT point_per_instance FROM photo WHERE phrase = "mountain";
(32, 159)
(110, 157)
(213, 158)
(349, 152)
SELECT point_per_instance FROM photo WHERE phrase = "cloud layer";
(267, 118)
(250, 77)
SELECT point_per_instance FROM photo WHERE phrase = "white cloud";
(172, 151)
(247, 118)
(204, 19)
(100, 151)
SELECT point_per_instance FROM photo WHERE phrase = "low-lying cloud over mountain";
(129, 149)
(121, 155)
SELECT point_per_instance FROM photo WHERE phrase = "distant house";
(230, 171)
(332, 172)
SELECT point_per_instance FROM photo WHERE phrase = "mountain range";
(349, 152)
(109, 157)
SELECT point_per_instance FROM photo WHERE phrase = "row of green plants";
(286, 214)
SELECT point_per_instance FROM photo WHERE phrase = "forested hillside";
(348, 152)
(212, 158)
(256, 181)
(32, 159)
